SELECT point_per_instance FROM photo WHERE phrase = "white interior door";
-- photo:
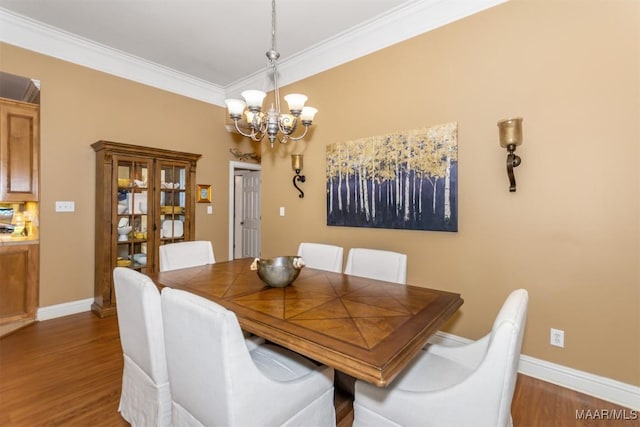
(251, 214)
(244, 209)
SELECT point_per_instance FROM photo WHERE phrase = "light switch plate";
(65, 206)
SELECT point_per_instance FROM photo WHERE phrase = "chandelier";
(276, 125)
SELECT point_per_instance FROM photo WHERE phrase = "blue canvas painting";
(404, 180)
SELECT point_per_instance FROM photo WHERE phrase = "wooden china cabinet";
(145, 197)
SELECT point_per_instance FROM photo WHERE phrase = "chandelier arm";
(297, 138)
(292, 128)
(248, 135)
(280, 137)
(257, 136)
(259, 124)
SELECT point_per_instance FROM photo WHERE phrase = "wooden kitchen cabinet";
(19, 281)
(19, 151)
(145, 198)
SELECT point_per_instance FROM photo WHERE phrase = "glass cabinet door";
(133, 223)
(173, 202)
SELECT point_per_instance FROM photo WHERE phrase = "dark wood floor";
(67, 372)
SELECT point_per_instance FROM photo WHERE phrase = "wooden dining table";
(368, 329)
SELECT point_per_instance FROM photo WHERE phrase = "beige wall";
(570, 234)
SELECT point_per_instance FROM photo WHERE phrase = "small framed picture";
(204, 193)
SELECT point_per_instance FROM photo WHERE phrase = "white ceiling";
(209, 49)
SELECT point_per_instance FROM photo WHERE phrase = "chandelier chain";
(273, 56)
(273, 25)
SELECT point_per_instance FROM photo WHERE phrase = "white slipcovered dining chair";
(321, 256)
(215, 380)
(470, 385)
(377, 264)
(186, 254)
(145, 398)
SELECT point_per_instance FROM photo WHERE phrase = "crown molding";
(407, 20)
(32, 35)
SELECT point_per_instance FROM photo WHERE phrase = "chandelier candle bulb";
(235, 107)
(296, 102)
(254, 98)
(308, 113)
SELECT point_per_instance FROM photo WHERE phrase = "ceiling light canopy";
(276, 125)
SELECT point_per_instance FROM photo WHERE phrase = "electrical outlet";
(557, 338)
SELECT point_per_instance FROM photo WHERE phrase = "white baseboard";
(613, 391)
(65, 309)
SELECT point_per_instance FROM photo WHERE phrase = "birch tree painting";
(405, 180)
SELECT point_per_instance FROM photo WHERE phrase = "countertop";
(9, 240)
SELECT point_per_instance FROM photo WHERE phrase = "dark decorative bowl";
(280, 271)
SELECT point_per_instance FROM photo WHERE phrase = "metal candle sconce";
(296, 165)
(510, 138)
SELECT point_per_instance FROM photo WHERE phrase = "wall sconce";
(510, 138)
(296, 165)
